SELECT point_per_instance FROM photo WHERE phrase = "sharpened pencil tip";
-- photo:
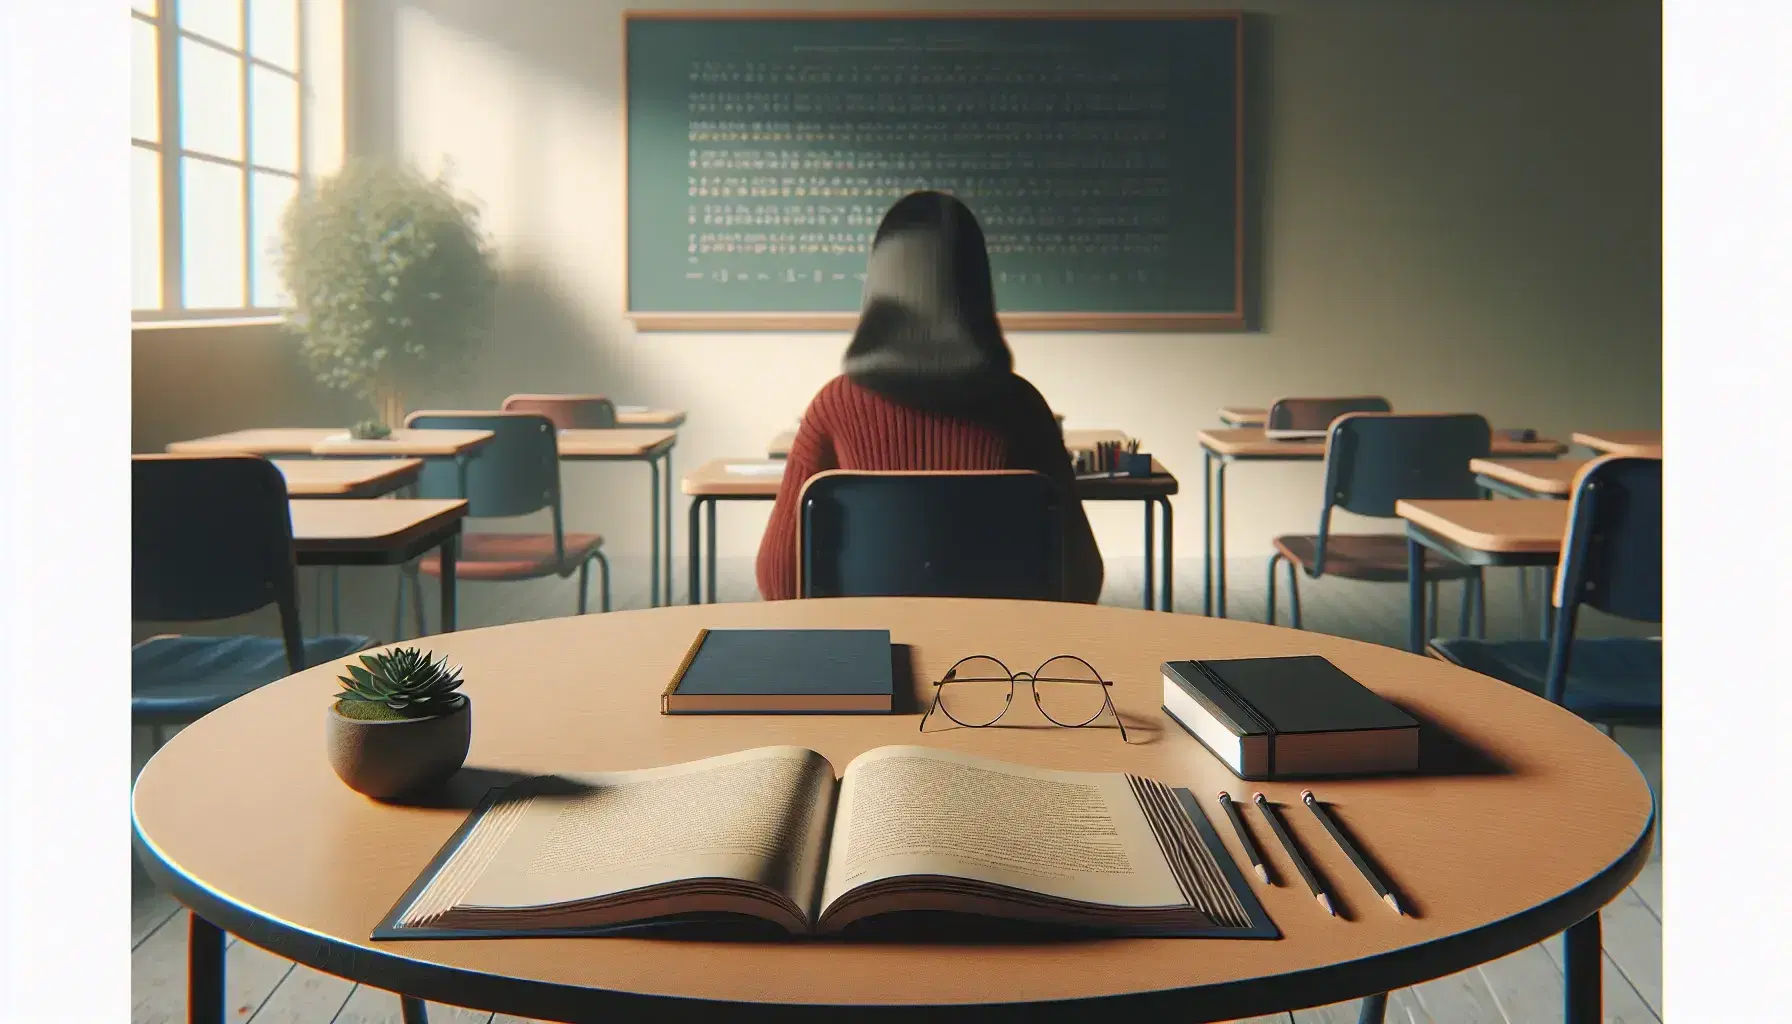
(1392, 902)
(1327, 904)
(1263, 873)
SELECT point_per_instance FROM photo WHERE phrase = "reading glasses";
(978, 690)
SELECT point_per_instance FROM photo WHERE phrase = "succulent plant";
(401, 683)
(370, 430)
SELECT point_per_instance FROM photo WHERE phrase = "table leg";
(205, 972)
(1546, 605)
(666, 487)
(1582, 970)
(709, 528)
(450, 552)
(1150, 554)
(653, 532)
(1415, 596)
(412, 1010)
(693, 554)
(1206, 532)
(335, 600)
(1219, 539)
(1374, 1009)
(1167, 602)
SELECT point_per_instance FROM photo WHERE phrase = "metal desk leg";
(692, 554)
(709, 528)
(1582, 972)
(666, 486)
(412, 1010)
(1374, 1009)
(1546, 605)
(1219, 538)
(1415, 596)
(205, 972)
(1167, 602)
(450, 553)
(653, 532)
(1150, 555)
(1206, 532)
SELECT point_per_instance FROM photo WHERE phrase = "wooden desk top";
(1552, 478)
(1250, 443)
(272, 441)
(713, 479)
(669, 418)
(1621, 442)
(346, 478)
(242, 817)
(1075, 440)
(1243, 416)
(613, 444)
(1534, 526)
(368, 524)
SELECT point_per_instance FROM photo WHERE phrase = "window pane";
(218, 20)
(268, 196)
(211, 100)
(146, 228)
(273, 119)
(212, 264)
(146, 6)
(145, 87)
(274, 32)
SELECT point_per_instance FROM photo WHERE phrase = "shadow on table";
(1442, 752)
(469, 786)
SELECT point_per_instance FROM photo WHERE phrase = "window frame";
(169, 151)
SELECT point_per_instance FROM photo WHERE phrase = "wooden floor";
(1523, 988)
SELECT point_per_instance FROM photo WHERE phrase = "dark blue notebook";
(784, 672)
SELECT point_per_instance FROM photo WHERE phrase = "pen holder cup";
(1135, 463)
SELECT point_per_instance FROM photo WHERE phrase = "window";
(216, 153)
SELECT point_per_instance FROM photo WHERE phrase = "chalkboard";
(1101, 154)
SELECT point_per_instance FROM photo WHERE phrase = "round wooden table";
(1526, 822)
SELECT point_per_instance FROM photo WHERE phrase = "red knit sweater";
(848, 426)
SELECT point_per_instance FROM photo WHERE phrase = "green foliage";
(401, 683)
(370, 430)
(389, 273)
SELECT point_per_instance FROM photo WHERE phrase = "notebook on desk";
(1289, 718)
(768, 842)
(784, 671)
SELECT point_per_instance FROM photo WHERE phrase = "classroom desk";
(713, 482)
(1518, 533)
(319, 442)
(1621, 442)
(1243, 416)
(1221, 448)
(380, 531)
(653, 447)
(1527, 822)
(347, 478)
(1527, 478)
(1074, 440)
(641, 416)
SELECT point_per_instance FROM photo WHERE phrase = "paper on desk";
(631, 408)
(756, 468)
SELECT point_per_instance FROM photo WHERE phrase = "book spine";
(683, 667)
(1222, 702)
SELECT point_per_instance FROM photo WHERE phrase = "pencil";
(1362, 865)
(1244, 837)
(1300, 863)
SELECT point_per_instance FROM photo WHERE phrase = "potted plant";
(399, 724)
(391, 282)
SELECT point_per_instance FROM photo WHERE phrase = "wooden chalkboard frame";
(1233, 319)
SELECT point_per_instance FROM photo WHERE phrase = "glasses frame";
(1032, 679)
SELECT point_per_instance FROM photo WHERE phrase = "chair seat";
(184, 678)
(1380, 557)
(514, 556)
(1615, 680)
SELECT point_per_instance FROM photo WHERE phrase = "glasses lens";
(1070, 692)
(976, 691)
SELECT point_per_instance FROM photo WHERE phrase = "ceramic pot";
(386, 759)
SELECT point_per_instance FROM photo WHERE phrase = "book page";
(910, 810)
(760, 816)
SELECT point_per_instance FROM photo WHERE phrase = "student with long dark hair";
(928, 383)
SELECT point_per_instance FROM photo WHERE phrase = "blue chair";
(1611, 560)
(211, 538)
(1372, 461)
(516, 473)
(931, 534)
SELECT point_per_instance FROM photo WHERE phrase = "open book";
(770, 837)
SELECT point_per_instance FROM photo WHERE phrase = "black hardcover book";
(784, 671)
(1289, 718)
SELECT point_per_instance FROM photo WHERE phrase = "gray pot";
(395, 758)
